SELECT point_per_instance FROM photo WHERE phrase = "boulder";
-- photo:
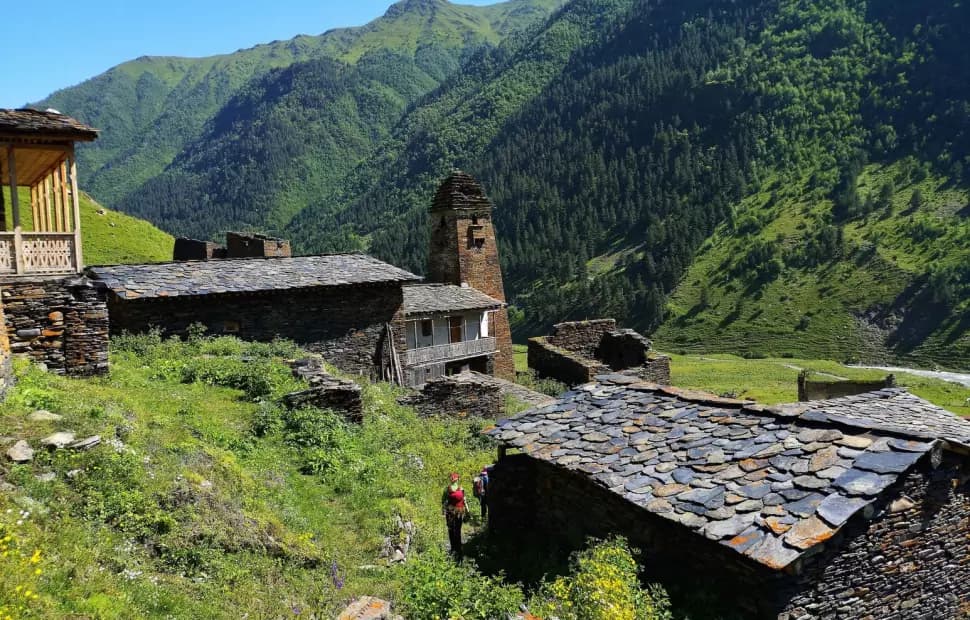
(86, 444)
(21, 452)
(58, 440)
(368, 608)
(42, 415)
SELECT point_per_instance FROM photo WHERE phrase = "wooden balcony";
(449, 352)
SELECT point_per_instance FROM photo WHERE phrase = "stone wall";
(461, 395)
(60, 322)
(193, 249)
(245, 245)
(326, 391)
(582, 337)
(912, 560)
(623, 348)
(905, 557)
(553, 362)
(6, 370)
(655, 370)
(346, 325)
(823, 390)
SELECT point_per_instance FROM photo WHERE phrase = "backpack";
(480, 484)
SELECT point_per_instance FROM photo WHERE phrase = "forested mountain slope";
(756, 176)
(622, 135)
(151, 108)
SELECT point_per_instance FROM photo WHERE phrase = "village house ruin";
(576, 352)
(855, 507)
(52, 314)
(362, 315)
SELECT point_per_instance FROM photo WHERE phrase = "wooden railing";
(448, 352)
(28, 253)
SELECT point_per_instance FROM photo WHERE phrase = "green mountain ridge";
(150, 108)
(734, 176)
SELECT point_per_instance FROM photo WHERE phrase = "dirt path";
(953, 377)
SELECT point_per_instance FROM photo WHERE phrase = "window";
(427, 328)
(230, 327)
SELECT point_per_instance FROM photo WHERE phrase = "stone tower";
(464, 251)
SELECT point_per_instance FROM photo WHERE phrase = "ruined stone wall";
(193, 249)
(906, 557)
(912, 560)
(655, 370)
(582, 337)
(343, 324)
(60, 322)
(460, 395)
(823, 390)
(553, 362)
(243, 245)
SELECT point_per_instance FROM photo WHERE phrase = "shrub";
(141, 345)
(257, 378)
(603, 585)
(435, 588)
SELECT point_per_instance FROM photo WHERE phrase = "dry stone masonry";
(59, 322)
(577, 352)
(470, 394)
(325, 391)
(855, 507)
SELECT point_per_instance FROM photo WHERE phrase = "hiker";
(480, 489)
(453, 507)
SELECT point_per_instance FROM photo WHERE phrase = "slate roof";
(27, 122)
(423, 299)
(244, 275)
(769, 482)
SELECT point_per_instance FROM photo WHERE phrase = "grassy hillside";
(867, 289)
(207, 500)
(109, 237)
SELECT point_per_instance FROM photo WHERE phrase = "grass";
(193, 513)
(774, 380)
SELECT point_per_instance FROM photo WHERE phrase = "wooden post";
(76, 200)
(65, 196)
(59, 205)
(35, 204)
(15, 201)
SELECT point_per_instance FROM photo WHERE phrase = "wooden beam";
(46, 212)
(58, 204)
(76, 199)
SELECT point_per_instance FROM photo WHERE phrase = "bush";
(603, 585)
(435, 588)
(257, 378)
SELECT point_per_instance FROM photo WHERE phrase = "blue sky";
(49, 46)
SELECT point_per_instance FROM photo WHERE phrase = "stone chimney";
(464, 252)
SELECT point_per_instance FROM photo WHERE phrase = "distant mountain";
(151, 109)
(740, 173)
(752, 176)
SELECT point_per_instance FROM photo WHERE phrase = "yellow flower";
(34, 559)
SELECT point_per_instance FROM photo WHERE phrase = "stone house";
(363, 315)
(855, 507)
(52, 314)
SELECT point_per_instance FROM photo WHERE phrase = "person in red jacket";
(453, 507)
